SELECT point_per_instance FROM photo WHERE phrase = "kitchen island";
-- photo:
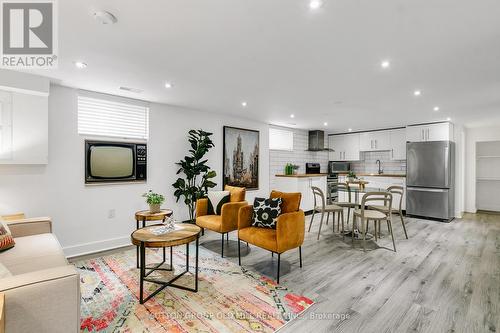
(302, 183)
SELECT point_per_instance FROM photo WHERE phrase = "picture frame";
(241, 157)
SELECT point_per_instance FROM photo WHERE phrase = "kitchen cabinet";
(430, 132)
(303, 185)
(398, 144)
(346, 147)
(375, 141)
(23, 128)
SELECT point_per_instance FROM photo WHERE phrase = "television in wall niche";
(114, 162)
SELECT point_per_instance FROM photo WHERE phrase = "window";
(112, 118)
(280, 139)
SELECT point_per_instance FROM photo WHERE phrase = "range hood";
(317, 141)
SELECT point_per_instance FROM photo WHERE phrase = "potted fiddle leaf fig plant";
(197, 175)
(154, 200)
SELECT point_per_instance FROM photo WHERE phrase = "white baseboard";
(97, 246)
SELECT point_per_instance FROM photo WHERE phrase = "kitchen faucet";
(380, 171)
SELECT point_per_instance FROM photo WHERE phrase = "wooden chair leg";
(327, 217)
(364, 234)
(310, 223)
(338, 221)
(321, 223)
(389, 224)
(375, 226)
(352, 229)
(343, 233)
(403, 223)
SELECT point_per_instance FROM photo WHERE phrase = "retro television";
(112, 162)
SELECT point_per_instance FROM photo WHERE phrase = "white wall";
(474, 135)
(79, 212)
(299, 156)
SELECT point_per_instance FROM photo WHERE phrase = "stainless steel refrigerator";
(430, 179)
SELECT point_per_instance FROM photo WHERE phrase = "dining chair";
(395, 190)
(325, 208)
(365, 214)
(344, 187)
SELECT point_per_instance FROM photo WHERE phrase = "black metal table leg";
(187, 257)
(196, 266)
(142, 273)
(137, 248)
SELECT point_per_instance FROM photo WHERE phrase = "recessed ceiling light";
(244, 104)
(168, 85)
(448, 119)
(315, 4)
(325, 124)
(436, 108)
(105, 17)
(292, 116)
(349, 130)
(417, 93)
(385, 64)
(80, 65)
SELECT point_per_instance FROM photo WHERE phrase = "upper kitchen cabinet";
(23, 118)
(398, 144)
(345, 146)
(374, 141)
(430, 132)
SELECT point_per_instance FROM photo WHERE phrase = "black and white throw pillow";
(215, 201)
(266, 212)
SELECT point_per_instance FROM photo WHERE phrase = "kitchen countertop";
(402, 175)
(304, 175)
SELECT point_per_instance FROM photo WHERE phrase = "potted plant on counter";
(154, 200)
(351, 176)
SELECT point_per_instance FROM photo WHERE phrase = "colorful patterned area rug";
(229, 298)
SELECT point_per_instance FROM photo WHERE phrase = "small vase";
(154, 208)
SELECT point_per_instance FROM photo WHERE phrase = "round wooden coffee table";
(148, 237)
(146, 215)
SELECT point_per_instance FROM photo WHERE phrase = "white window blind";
(110, 118)
(280, 139)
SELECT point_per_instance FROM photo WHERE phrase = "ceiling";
(283, 58)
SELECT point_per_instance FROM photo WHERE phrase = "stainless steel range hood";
(317, 141)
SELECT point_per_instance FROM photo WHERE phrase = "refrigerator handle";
(447, 166)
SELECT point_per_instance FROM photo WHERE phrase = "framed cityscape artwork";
(241, 158)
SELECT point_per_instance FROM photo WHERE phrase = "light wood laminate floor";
(444, 278)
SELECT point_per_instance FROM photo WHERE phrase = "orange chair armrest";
(201, 207)
(229, 214)
(245, 216)
(290, 229)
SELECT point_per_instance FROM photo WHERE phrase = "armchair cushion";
(4, 272)
(237, 193)
(215, 201)
(30, 226)
(262, 237)
(210, 222)
(266, 212)
(291, 201)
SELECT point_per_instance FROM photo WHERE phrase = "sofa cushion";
(237, 193)
(33, 253)
(6, 239)
(4, 272)
(210, 222)
(261, 237)
(291, 201)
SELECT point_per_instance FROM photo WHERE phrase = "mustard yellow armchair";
(228, 220)
(289, 232)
